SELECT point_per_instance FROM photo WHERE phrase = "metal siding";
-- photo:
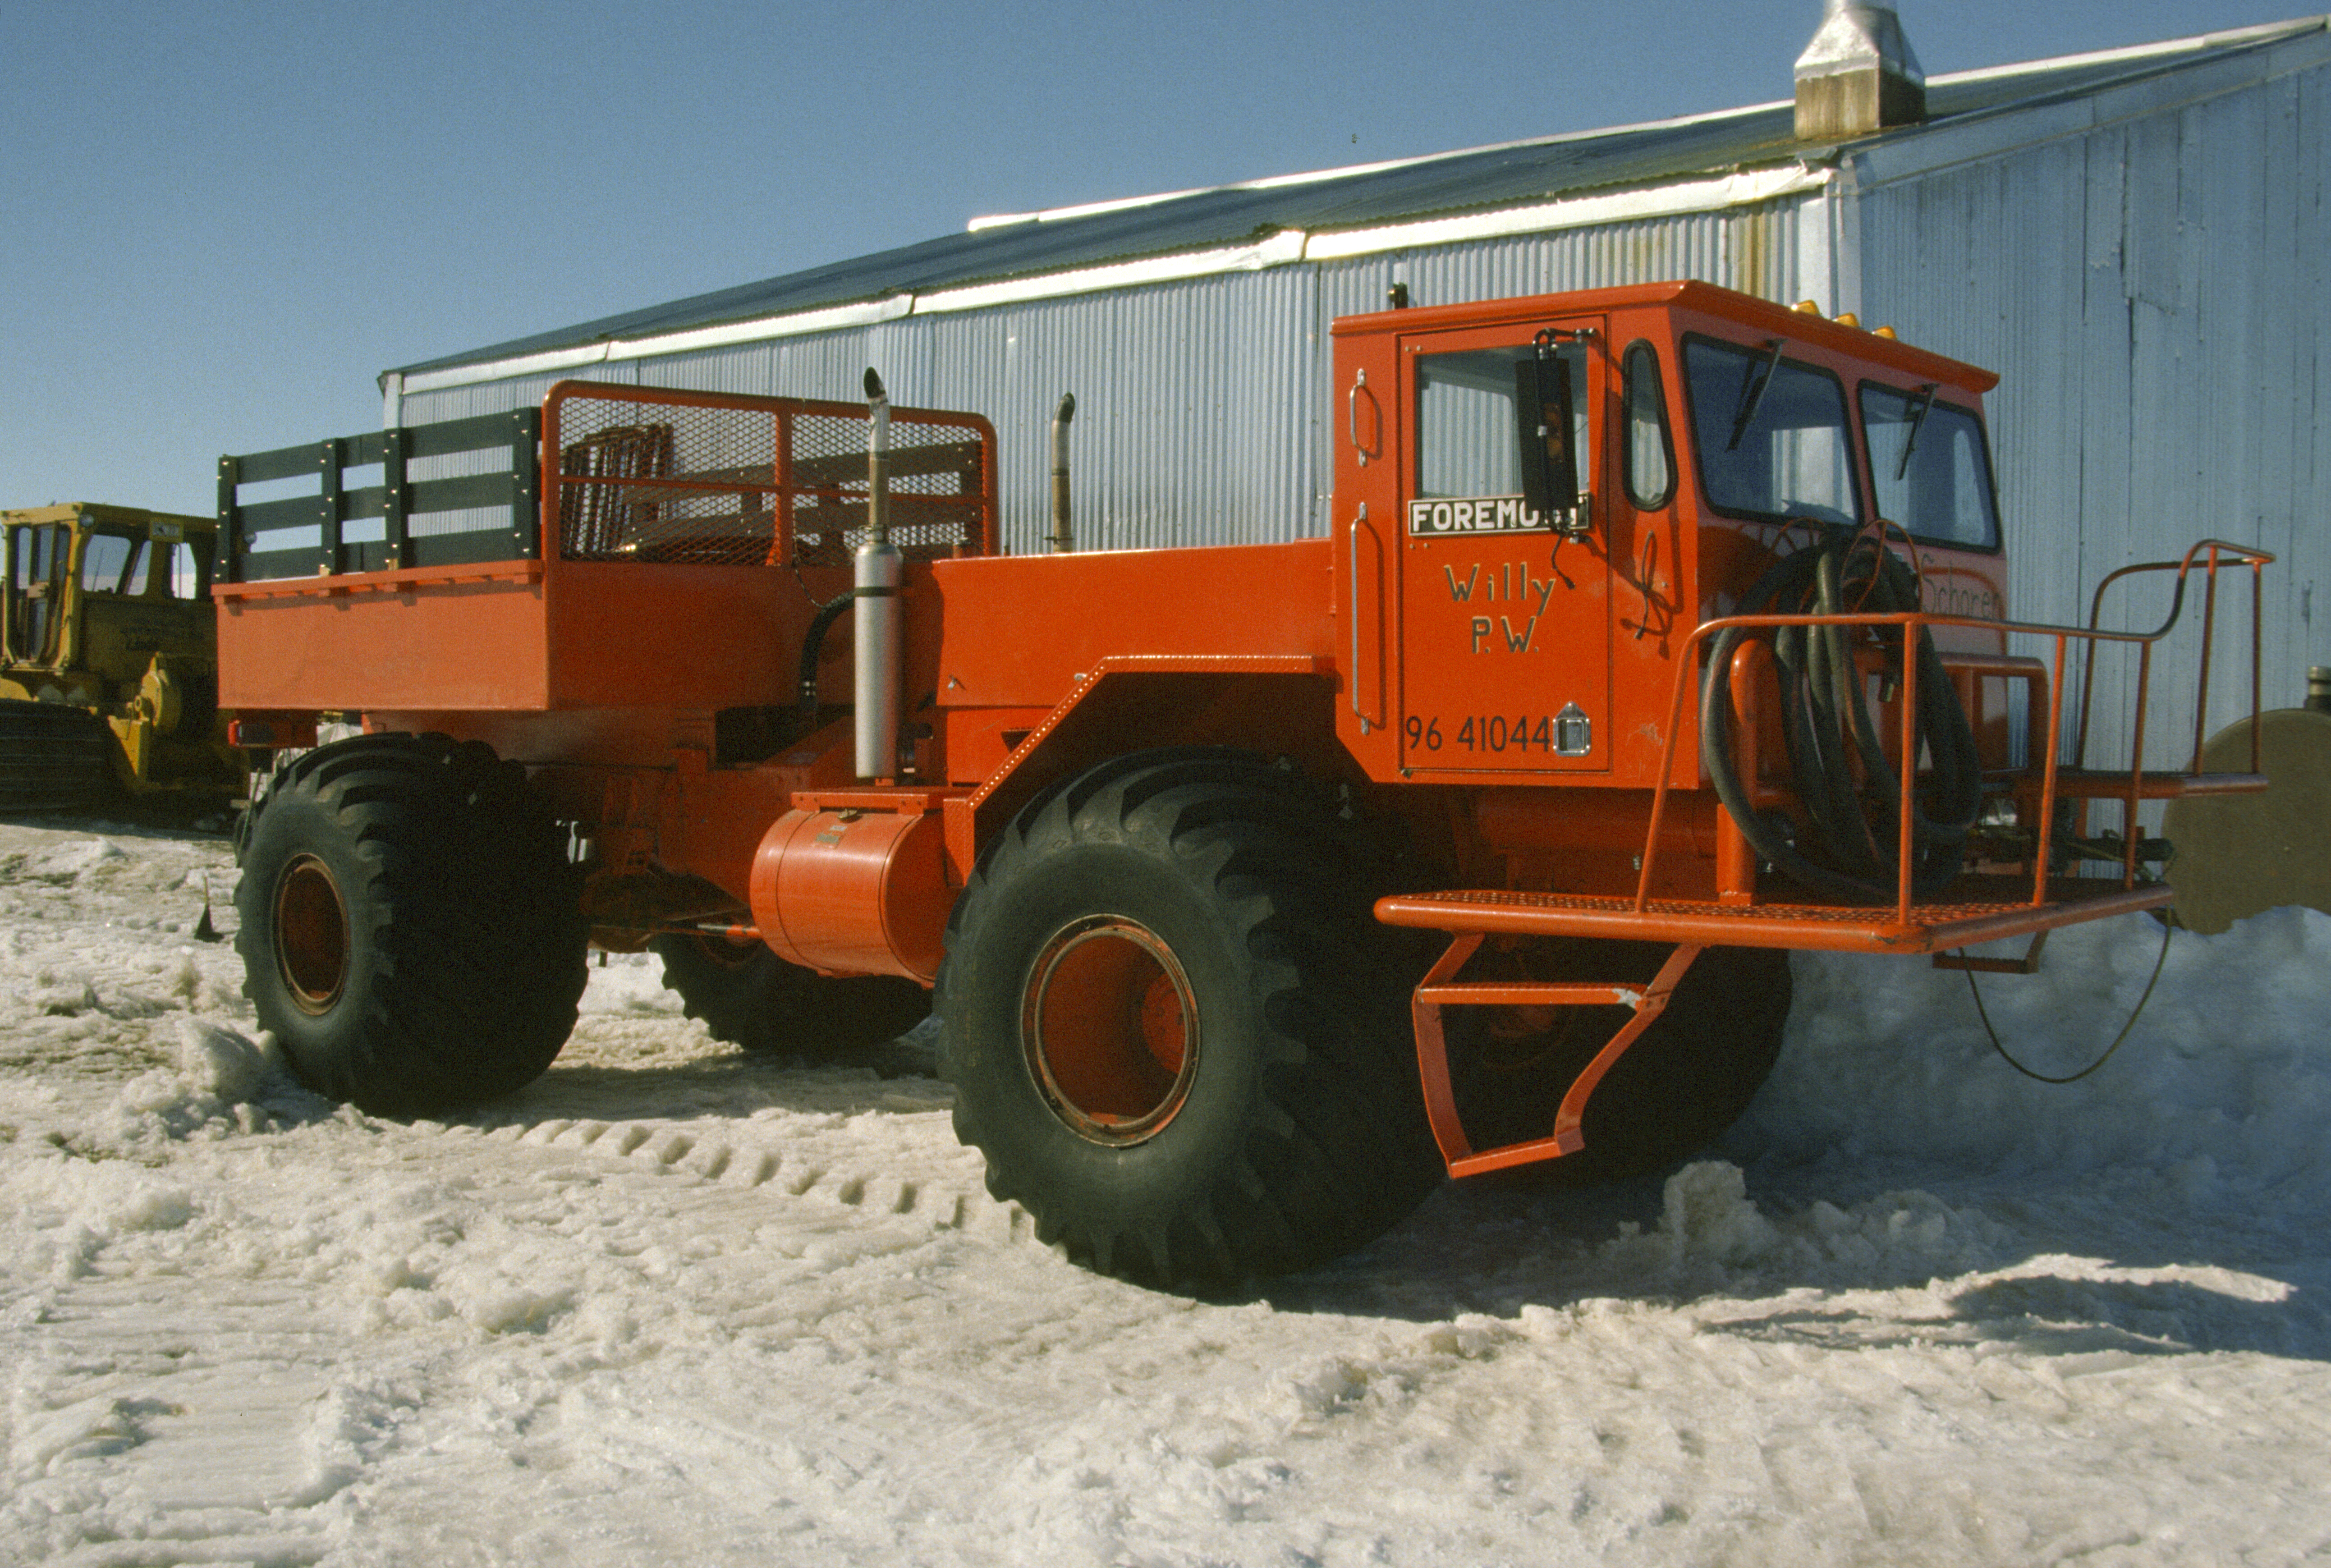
(2152, 296)
(1203, 409)
(499, 396)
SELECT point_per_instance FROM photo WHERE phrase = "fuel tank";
(853, 892)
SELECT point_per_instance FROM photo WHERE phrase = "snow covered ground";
(671, 1304)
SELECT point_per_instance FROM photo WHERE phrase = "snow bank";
(2221, 1095)
(221, 1084)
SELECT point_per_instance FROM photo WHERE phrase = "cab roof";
(1760, 316)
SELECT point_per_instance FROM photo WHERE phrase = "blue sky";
(224, 220)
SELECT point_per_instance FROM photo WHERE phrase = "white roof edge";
(865, 313)
(862, 314)
(1317, 176)
(2002, 130)
(502, 369)
(2134, 52)
(1286, 247)
(1741, 189)
(1734, 190)
(1277, 250)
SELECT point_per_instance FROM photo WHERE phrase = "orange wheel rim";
(1109, 1026)
(312, 935)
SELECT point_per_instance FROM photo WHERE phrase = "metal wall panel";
(1194, 407)
(2152, 296)
(501, 396)
(1202, 404)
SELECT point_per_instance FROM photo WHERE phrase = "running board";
(1971, 910)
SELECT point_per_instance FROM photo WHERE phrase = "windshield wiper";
(1752, 398)
(1918, 423)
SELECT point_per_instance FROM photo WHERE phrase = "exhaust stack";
(877, 570)
(1062, 541)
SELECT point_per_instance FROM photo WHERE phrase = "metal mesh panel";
(703, 480)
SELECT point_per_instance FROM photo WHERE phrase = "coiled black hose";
(1852, 825)
(812, 643)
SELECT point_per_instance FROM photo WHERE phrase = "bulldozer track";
(53, 757)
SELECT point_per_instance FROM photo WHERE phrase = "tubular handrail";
(2234, 554)
(1913, 621)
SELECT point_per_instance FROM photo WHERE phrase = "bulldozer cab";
(107, 610)
(91, 595)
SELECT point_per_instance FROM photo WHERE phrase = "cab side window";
(1647, 449)
(102, 558)
(1465, 419)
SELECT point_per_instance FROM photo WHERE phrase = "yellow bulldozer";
(108, 661)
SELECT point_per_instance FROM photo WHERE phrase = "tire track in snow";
(954, 1200)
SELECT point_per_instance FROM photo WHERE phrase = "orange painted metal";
(1134, 665)
(559, 634)
(853, 892)
(1499, 633)
(1022, 631)
(1440, 989)
(1980, 908)
(1111, 1026)
(678, 583)
(386, 639)
(1644, 576)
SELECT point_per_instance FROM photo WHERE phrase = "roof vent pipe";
(1858, 75)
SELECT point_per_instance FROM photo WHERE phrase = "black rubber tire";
(55, 757)
(750, 997)
(1303, 1134)
(1676, 1090)
(461, 941)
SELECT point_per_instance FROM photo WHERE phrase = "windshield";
(1770, 433)
(1931, 471)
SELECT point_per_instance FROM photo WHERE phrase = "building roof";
(1696, 163)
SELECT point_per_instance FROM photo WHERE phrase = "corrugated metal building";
(2134, 239)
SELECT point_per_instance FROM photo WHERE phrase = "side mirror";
(1542, 429)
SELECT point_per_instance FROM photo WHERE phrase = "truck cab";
(1491, 644)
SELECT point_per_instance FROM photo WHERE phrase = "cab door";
(35, 578)
(1505, 619)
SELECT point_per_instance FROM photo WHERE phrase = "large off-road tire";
(1176, 1032)
(55, 758)
(412, 930)
(1687, 1078)
(750, 997)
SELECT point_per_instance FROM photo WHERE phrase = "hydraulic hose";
(1848, 842)
(820, 624)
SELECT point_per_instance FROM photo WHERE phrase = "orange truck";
(1658, 630)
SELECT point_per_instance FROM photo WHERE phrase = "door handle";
(1352, 415)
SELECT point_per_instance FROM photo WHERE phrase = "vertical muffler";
(877, 569)
(1063, 540)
